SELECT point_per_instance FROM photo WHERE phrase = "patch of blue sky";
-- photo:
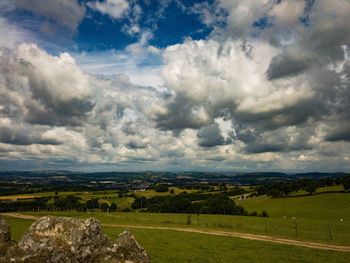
(170, 23)
(177, 25)
(99, 32)
(305, 19)
(262, 23)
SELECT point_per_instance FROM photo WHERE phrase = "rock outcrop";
(66, 240)
(5, 237)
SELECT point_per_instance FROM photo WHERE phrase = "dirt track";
(271, 239)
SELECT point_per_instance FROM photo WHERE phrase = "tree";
(311, 188)
(105, 207)
(264, 214)
(287, 188)
(93, 203)
(274, 192)
(139, 202)
(114, 207)
(346, 184)
(161, 188)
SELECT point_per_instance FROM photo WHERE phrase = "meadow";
(171, 246)
(293, 228)
(326, 207)
(323, 217)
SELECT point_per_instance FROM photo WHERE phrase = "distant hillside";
(239, 178)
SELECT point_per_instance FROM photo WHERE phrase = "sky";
(175, 85)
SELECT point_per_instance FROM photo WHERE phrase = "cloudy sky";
(219, 85)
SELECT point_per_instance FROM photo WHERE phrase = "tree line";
(191, 203)
(308, 185)
(60, 203)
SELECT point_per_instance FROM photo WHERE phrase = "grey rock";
(127, 248)
(5, 236)
(59, 239)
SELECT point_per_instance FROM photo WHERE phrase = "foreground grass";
(171, 246)
(301, 229)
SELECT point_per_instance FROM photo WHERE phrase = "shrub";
(161, 188)
(264, 214)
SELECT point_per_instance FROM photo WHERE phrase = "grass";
(307, 229)
(18, 226)
(333, 188)
(326, 207)
(170, 246)
(306, 217)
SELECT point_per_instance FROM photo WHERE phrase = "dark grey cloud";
(181, 113)
(68, 13)
(210, 136)
(285, 65)
(260, 141)
(136, 145)
(339, 133)
(24, 136)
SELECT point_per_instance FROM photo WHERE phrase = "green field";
(170, 246)
(323, 217)
(325, 207)
(329, 189)
(307, 229)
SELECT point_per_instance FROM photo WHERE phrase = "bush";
(113, 207)
(161, 188)
(105, 207)
(254, 213)
(264, 214)
(311, 188)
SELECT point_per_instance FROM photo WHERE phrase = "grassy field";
(306, 217)
(170, 246)
(325, 207)
(334, 188)
(306, 229)
(321, 217)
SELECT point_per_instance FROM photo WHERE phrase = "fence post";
(266, 225)
(296, 226)
(330, 231)
(189, 219)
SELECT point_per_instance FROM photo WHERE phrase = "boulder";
(59, 239)
(127, 248)
(5, 236)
